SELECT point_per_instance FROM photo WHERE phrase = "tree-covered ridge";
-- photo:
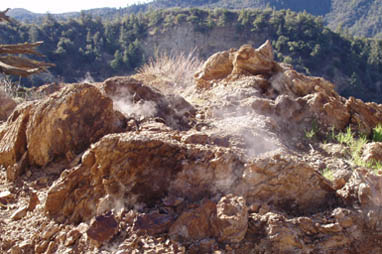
(359, 17)
(314, 7)
(105, 48)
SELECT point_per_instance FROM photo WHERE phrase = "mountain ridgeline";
(358, 17)
(104, 47)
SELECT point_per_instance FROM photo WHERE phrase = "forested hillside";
(104, 48)
(358, 17)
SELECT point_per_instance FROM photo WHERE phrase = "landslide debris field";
(241, 159)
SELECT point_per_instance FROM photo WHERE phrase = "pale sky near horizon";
(44, 6)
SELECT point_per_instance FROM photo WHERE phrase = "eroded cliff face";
(124, 167)
(186, 38)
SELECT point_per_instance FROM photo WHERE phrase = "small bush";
(328, 174)
(345, 138)
(178, 69)
(377, 133)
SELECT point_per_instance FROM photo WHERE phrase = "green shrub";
(328, 174)
(377, 133)
(345, 138)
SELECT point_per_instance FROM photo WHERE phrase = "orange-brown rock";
(59, 126)
(153, 223)
(103, 228)
(363, 189)
(225, 169)
(195, 224)
(248, 60)
(7, 105)
(280, 180)
(137, 100)
(364, 116)
(372, 152)
(231, 219)
(67, 122)
(289, 81)
(144, 167)
(330, 111)
(217, 66)
(13, 142)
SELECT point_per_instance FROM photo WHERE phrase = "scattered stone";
(196, 223)
(153, 223)
(19, 213)
(72, 237)
(50, 231)
(6, 197)
(51, 247)
(103, 228)
(33, 201)
(41, 246)
(231, 219)
(372, 152)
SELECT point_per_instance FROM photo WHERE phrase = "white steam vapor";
(252, 129)
(124, 102)
(87, 79)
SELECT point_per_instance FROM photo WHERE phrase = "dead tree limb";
(3, 16)
(16, 65)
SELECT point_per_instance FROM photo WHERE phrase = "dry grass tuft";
(8, 87)
(17, 92)
(169, 71)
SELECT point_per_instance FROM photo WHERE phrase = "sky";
(44, 6)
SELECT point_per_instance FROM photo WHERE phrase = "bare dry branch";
(3, 16)
(24, 67)
(19, 66)
(22, 48)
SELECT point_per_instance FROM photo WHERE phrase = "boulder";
(244, 61)
(103, 228)
(67, 122)
(363, 189)
(59, 126)
(153, 223)
(248, 60)
(144, 167)
(364, 116)
(217, 66)
(231, 219)
(372, 152)
(195, 224)
(281, 180)
(7, 105)
(134, 99)
(13, 142)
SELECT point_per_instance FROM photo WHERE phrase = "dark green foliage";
(105, 48)
(85, 44)
(358, 17)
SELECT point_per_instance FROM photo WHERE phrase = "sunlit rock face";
(227, 167)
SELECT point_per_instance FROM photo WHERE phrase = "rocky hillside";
(220, 164)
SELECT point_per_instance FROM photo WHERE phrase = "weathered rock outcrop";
(135, 99)
(58, 127)
(225, 170)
